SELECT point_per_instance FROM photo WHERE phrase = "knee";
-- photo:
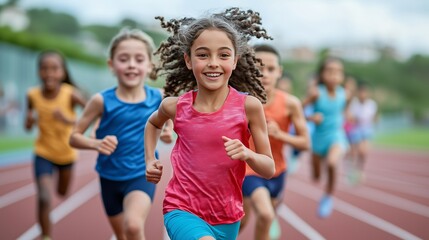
(316, 176)
(44, 199)
(63, 188)
(332, 165)
(62, 192)
(266, 218)
(133, 226)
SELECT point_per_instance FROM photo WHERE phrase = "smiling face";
(51, 71)
(271, 70)
(131, 62)
(212, 59)
(333, 73)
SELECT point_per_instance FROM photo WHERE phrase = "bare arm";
(301, 139)
(29, 115)
(91, 112)
(167, 132)
(76, 99)
(166, 112)
(261, 161)
(312, 95)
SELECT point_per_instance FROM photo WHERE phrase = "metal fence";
(18, 72)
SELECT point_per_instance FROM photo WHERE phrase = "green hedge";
(39, 42)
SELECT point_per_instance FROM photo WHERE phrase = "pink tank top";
(206, 182)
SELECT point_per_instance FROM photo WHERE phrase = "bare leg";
(316, 162)
(136, 209)
(64, 179)
(334, 156)
(264, 211)
(247, 206)
(207, 238)
(117, 224)
(362, 154)
(44, 186)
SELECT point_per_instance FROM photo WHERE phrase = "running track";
(392, 204)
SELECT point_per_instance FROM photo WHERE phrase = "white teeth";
(213, 74)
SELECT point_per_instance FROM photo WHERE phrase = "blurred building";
(301, 54)
(14, 17)
(354, 52)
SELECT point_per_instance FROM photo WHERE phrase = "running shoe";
(325, 206)
(275, 230)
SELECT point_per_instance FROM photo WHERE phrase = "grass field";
(417, 138)
(13, 143)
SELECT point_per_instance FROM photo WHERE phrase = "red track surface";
(393, 203)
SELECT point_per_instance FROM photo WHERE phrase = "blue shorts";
(182, 225)
(359, 134)
(274, 185)
(43, 166)
(113, 192)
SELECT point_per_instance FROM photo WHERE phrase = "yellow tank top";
(53, 138)
(275, 111)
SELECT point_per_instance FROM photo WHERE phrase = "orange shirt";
(53, 140)
(275, 111)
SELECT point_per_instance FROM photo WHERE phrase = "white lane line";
(17, 195)
(373, 220)
(69, 205)
(388, 199)
(352, 211)
(299, 224)
(25, 192)
(390, 183)
(15, 176)
(398, 186)
(402, 175)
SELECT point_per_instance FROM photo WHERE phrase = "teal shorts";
(322, 143)
(182, 225)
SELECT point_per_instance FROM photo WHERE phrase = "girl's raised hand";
(29, 121)
(154, 171)
(273, 128)
(235, 149)
(108, 145)
(317, 118)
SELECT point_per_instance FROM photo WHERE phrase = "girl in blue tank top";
(123, 112)
(328, 140)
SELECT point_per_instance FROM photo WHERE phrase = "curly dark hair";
(239, 26)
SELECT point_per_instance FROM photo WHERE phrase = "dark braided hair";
(238, 25)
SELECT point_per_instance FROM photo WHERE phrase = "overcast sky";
(404, 24)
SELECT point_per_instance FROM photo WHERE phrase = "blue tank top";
(332, 109)
(127, 122)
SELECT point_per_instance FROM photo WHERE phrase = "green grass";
(12, 143)
(417, 138)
